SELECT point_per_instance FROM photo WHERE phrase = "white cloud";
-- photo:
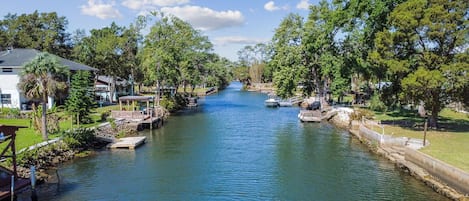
(144, 4)
(100, 9)
(222, 41)
(206, 18)
(303, 5)
(270, 6)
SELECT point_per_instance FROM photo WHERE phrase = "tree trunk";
(434, 120)
(44, 120)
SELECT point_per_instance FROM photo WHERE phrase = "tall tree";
(424, 47)
(40, 79)
(111, 49)
(81, 98)
(174, 52)
(255, 58)
(41, 31)
(286, 62)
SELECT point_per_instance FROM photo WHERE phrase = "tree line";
(418, 47)
(172, 54)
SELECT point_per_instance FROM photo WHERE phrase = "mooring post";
(12, 190)
(151, 119)
(33, 183)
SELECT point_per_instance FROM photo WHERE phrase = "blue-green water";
(234, 148)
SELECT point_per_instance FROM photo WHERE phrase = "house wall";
(103, 92)
(8, 85)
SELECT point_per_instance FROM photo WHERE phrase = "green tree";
(111, 49)
(287, 61)
(42, 31)
(41, 78)
(255, 57)
(325, 58)
(81, 98)
(423, 49)
(174, 53)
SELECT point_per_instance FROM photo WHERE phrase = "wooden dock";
(128, 142)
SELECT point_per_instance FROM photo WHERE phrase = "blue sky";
(229, 24)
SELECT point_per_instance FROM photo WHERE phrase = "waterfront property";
(219, 152)
(103, 88)
(140, 110)
(11, 64)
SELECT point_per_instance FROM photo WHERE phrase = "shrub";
(168, 103)
(105, 115)
(377, 105)
(79, 137)
(358, 114)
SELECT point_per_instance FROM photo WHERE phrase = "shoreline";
(397, 156)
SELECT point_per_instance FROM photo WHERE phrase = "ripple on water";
(234, 148)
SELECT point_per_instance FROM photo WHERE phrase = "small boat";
(285, 103)
(271, 102)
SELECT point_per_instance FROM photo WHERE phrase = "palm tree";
(41, 78)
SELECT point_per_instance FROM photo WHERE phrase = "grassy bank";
(28, 136)
(449, 143)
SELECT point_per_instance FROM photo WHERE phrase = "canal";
(234, 148)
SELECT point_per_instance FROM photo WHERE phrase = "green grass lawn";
(25, 137)
(449, 143)
(28, 136)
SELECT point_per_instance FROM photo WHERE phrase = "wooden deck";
(128, 142)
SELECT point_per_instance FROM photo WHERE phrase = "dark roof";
(19, 57)
(108, 79)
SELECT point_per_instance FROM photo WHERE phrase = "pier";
(128, 142)
(148, 116)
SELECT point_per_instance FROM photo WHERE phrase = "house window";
(7, 70)
(6, 98)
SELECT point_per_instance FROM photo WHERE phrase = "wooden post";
(13, 155)
(151, 120)
(120, 105)
(425, 130)
(148, 107)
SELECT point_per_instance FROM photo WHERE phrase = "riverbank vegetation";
(404, 52)
(173, 55)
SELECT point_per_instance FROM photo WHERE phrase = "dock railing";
(138, 115)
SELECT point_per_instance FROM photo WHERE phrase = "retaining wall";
(452, 176)
(381, 139)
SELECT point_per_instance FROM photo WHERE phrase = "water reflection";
(234, 148)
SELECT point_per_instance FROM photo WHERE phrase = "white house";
(11, 64)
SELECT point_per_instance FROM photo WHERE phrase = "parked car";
(316, 105)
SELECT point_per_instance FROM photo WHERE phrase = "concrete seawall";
(403, 151)
(452, 176)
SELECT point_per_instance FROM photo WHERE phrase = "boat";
(271, 102)
(285, 103)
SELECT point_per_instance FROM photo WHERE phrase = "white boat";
(285, 103)
(271, 102)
